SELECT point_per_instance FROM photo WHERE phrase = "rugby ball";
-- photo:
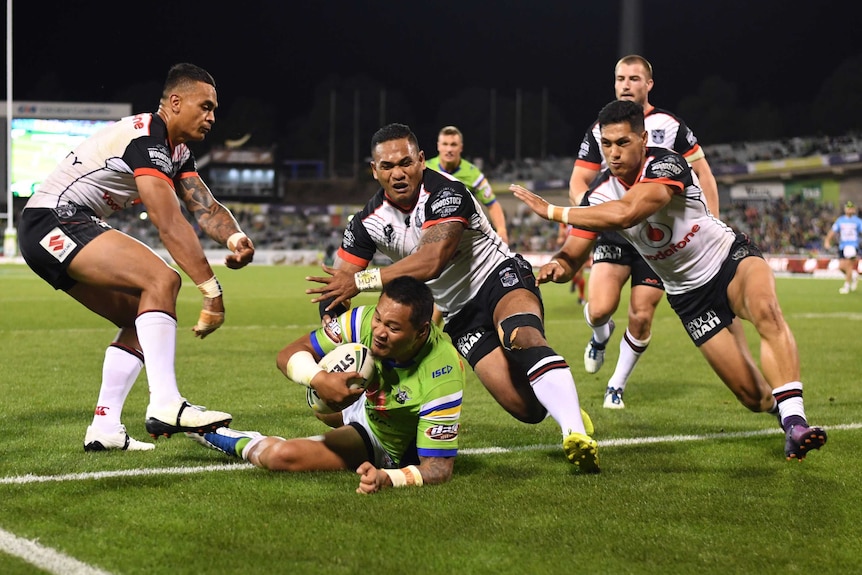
(346, 357)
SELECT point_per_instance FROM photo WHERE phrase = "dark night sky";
(279, 50)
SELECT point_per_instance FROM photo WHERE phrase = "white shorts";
(355, 415)
(849, 252)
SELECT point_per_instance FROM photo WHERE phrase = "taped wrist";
(405, 477)
(234, 239)
(210, 288)
(368, 280)
(302, 368)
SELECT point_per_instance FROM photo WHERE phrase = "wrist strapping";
(368, 280)
(210, 288)
(556, 261)
(558, 216)
(405, 477)
(302, 368)
(234, 239)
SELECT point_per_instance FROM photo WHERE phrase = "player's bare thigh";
(606, 281)
(118, 261)
(729, 356)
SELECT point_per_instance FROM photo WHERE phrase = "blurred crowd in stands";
(718, 154)
(777, 226)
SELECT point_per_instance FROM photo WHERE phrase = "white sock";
(556, 391)
(631, 350)
(157, 333)
(789, 398)
(601, 333)
(119, 372)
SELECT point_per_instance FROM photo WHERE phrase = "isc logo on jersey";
(442, 432)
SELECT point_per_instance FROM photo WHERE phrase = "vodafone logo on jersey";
(660, 236)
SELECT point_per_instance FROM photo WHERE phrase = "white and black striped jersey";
(100, 173)
(664, 130)
(385, 227)
(682, 242)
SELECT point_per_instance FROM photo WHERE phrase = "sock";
(157, 333)
(601, 333)
(555, 389)
(791, 409)
(119, 371)
(631, 350)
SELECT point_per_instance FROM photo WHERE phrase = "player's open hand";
(553, 271)
(534, 202)
(339, 285)
(243, 254)
(211, 317)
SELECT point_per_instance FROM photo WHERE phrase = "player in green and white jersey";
(450, 145)
(404, 431)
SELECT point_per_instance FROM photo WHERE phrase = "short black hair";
(413, 293)
(623, 111)
(393, 132)
(183, 73)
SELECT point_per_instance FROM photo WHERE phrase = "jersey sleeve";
(449, 201)
(686, 143)
(670, 169)
(589, 153)
(353, 326)
(483, 190)
(440, 412)
(357, 246)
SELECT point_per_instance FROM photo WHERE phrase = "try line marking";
(45, 558)
(622, 442)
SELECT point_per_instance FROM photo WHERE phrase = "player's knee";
(640, 323)
(166, 280)
(520, 331)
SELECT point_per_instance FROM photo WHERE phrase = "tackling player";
(434, 229)
(615, 261)
(711, 274)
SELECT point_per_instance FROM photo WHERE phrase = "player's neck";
(450, 167)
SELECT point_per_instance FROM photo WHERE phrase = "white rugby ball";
(346, 357)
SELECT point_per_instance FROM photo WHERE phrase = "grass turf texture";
(726, 504)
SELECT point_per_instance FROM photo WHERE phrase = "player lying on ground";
(404, 431)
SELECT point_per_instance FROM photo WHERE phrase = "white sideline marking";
(45, 558)
(25, 479)
(21, 479)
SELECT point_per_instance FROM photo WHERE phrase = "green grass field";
(691, 482)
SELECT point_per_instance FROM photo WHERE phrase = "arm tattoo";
(442, 232)
(436, 470)
(214, 219)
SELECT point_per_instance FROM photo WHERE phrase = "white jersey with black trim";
(682, 242)
(100, 173)
(385, 227)
(664, 130)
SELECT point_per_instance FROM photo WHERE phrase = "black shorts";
(472, 329)
(612, 248)
(705, 310)
(50, 238)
